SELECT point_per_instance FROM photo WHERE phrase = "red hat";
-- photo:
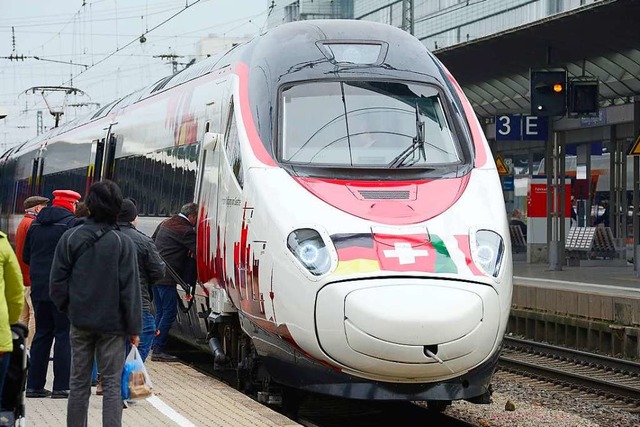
(66, 199)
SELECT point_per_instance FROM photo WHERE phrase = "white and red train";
(352, 236)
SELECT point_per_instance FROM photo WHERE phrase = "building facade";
(443, 23)
(299, 10)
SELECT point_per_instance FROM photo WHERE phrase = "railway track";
(324, 411)
(327, 411)
(616, 382)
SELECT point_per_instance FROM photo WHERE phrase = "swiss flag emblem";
(406, 252)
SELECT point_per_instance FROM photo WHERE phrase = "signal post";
(554, 96)
(635, 152)
(548, 98)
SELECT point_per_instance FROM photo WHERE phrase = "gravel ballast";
(539, 406)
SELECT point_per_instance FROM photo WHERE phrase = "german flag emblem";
(370, 252)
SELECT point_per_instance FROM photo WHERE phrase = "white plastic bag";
(136, 383)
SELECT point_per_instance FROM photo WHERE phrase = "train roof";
(197, 70)
(298, 50)
(289, 52)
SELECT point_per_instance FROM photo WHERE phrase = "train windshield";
(366, 124)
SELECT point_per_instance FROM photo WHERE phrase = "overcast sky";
(70, 31)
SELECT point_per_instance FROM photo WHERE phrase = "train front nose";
(407, 329)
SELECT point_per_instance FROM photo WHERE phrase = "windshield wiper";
(417, 145)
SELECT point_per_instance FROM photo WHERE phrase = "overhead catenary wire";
(44, 20)
(102, 79)
(134, 40)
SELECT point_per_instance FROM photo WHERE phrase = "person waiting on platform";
(150, 269)
(39, 248)
(94, 280)
(175, 239)
(604, 218)
(516, 219)
(11, 302)
(32, 205)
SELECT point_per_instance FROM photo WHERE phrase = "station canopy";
(600, 40)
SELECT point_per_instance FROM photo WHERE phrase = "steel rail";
(575, 359)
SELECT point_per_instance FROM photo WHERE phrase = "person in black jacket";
(150, 269)
(39, 247)
(94, 280)
(175, 239)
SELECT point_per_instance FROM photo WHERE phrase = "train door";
(94, 171)
(194, 322)
(108, 170)
(35, 186)
(231, 206)
(102, 162)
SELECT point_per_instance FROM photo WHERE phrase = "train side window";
(136, 180)
(165, 183)
(193, 152)
(232, 145)
(176, 174)
(146, 187)
(122, 179)
(156, 184)
(180, 173)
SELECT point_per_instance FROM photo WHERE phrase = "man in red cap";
(66, 199)
(39, 249)
(32, 205)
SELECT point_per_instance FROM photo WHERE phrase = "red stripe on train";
(257, 146)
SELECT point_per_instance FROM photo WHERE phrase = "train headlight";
(309, 248)
(488, 251)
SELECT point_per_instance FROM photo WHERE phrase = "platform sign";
(537, 199)
(508, 183)
(508, 127)
(635, 148)
(514, 127)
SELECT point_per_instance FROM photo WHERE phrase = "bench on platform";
(518, 241)
(589, 243)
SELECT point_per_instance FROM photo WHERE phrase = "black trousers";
(50, 324)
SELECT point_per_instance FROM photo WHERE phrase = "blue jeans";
(147, 335)
(165, 301)
(94, 371)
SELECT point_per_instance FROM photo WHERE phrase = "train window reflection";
(365, 124)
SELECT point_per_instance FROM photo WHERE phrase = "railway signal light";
(583, 97)
(548, 92)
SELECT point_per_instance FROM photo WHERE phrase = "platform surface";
(183, 397)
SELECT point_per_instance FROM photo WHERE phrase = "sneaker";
(60, 394)
(38, 393)
(125, 404)
(159, 356)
